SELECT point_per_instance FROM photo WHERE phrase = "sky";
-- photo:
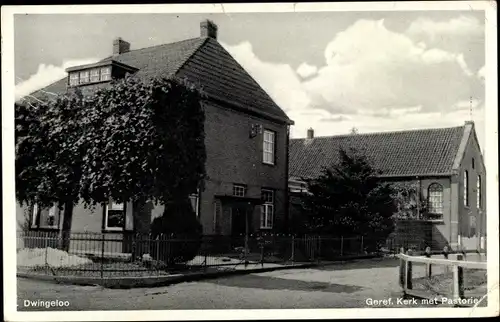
(330, 71)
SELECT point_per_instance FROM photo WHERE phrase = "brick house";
(445, 165)
(246, 138)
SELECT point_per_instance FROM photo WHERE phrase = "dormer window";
(103, 71)
(84, 77)
(74, 79)
(94, 75)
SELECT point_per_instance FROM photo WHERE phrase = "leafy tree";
(134, 141)
(179, 234)
(146, 144)
(348, 200)
(49, 154)
(410, 203)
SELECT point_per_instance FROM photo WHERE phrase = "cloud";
(370, 68)
(305, 70)
(46, 75)
(375, 79)
(279, 80)
(433, 30)
(481, 74)
(334, 119)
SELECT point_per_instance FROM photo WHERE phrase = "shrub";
(177, 233)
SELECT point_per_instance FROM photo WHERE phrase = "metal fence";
(118, 254)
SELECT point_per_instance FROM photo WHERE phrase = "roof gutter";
(394, 176)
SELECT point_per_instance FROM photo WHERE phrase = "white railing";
(456, 266)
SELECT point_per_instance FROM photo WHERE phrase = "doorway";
(238, 216)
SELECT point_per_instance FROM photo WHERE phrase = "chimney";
(208, 29)
(120, 46)
(310, 133)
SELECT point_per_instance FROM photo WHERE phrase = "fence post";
(262, 254)
(293, 248)
(341, 246)
(206, 257)
(319, 248)
(402, 269)
(458, 280)
(46, 249)
(408, 272)
(429, 266)
(102, 256)
(362, 248)
(158, 247)
(445, 254)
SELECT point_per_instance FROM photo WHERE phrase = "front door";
(238, 226)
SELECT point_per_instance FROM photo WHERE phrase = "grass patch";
(105, 269)
(442, 284)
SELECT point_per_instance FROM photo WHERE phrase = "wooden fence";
(455, 270)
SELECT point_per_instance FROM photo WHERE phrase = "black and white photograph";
(288, 160)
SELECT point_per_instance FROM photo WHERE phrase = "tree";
(354, 130)
(348, 199)
(409, 201)
(146, 144)
(134, 141)
(49, 155)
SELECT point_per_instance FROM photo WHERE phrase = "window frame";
(267, 210)
(82, 79)
(101, 74)
(197, 202)
(106, 217)
(75, 77)
(98, 75)
(36, 219)
(435, 191)
(242, 186)
(272, 150)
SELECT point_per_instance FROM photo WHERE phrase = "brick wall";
(234, 157)
(468, 213)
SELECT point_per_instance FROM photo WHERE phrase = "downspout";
(418, 197)
(287, 192)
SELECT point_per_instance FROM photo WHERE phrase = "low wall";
(415, 234)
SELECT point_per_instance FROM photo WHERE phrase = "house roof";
(429, 152)
(202, 61)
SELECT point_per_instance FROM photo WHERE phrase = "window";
(269, 140)
(84, 77)
(94, 75)
(239, 190)
(46, 217)
(105, 73)
(473, 165)
(435, 199)
(472, 226)
(267, 209)
(466, 188)
(115, 216)
(74, 79)
(195, 200)
(479, 204)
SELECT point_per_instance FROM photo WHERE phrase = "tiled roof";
(404, 153)
(202, 61)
